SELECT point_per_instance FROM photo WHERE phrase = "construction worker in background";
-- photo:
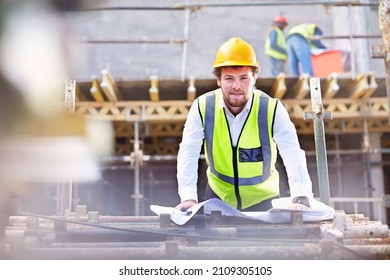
(275, 45)
(242, 130)
(299, 45)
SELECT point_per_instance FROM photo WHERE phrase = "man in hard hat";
(241, 129)
(275, 45)
(299, 43)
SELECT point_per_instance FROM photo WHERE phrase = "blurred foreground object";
(45, 142)
(41, 141)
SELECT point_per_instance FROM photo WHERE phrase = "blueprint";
(280, 213)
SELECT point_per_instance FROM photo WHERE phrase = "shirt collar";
(246, 108)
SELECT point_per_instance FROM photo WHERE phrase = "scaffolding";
(361, 110)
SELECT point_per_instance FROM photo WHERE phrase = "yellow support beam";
(301, 87)
(191, 90)
(279, 87)
(153, 90)
(359, 87)
(331, 86)
(109, 87)
(96, 90)
(80, 96)
(373, 86)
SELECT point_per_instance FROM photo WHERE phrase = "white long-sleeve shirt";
(284, 135)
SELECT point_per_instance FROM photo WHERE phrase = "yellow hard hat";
(235, 52)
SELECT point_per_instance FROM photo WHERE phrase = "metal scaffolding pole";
(135, 159)
(384, 8)
(368, 165)
(318, 116)
(185, 43)
(137, 156)
(383, 51)
(217, 4)
(66, 192)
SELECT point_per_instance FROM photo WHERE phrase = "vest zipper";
(235, 165)
(236, 186)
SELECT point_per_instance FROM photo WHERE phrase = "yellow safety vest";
(305, 30)
(244, 175)
(280, 41)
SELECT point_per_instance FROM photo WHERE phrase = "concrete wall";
(208, 28)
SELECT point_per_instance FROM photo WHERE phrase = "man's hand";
(186, 204)
(300, 203)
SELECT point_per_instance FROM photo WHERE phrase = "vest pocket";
(250, 155)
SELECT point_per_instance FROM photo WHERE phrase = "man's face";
(236, 83)
(281, 25)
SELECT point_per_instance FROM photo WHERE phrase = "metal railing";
(376, 202)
